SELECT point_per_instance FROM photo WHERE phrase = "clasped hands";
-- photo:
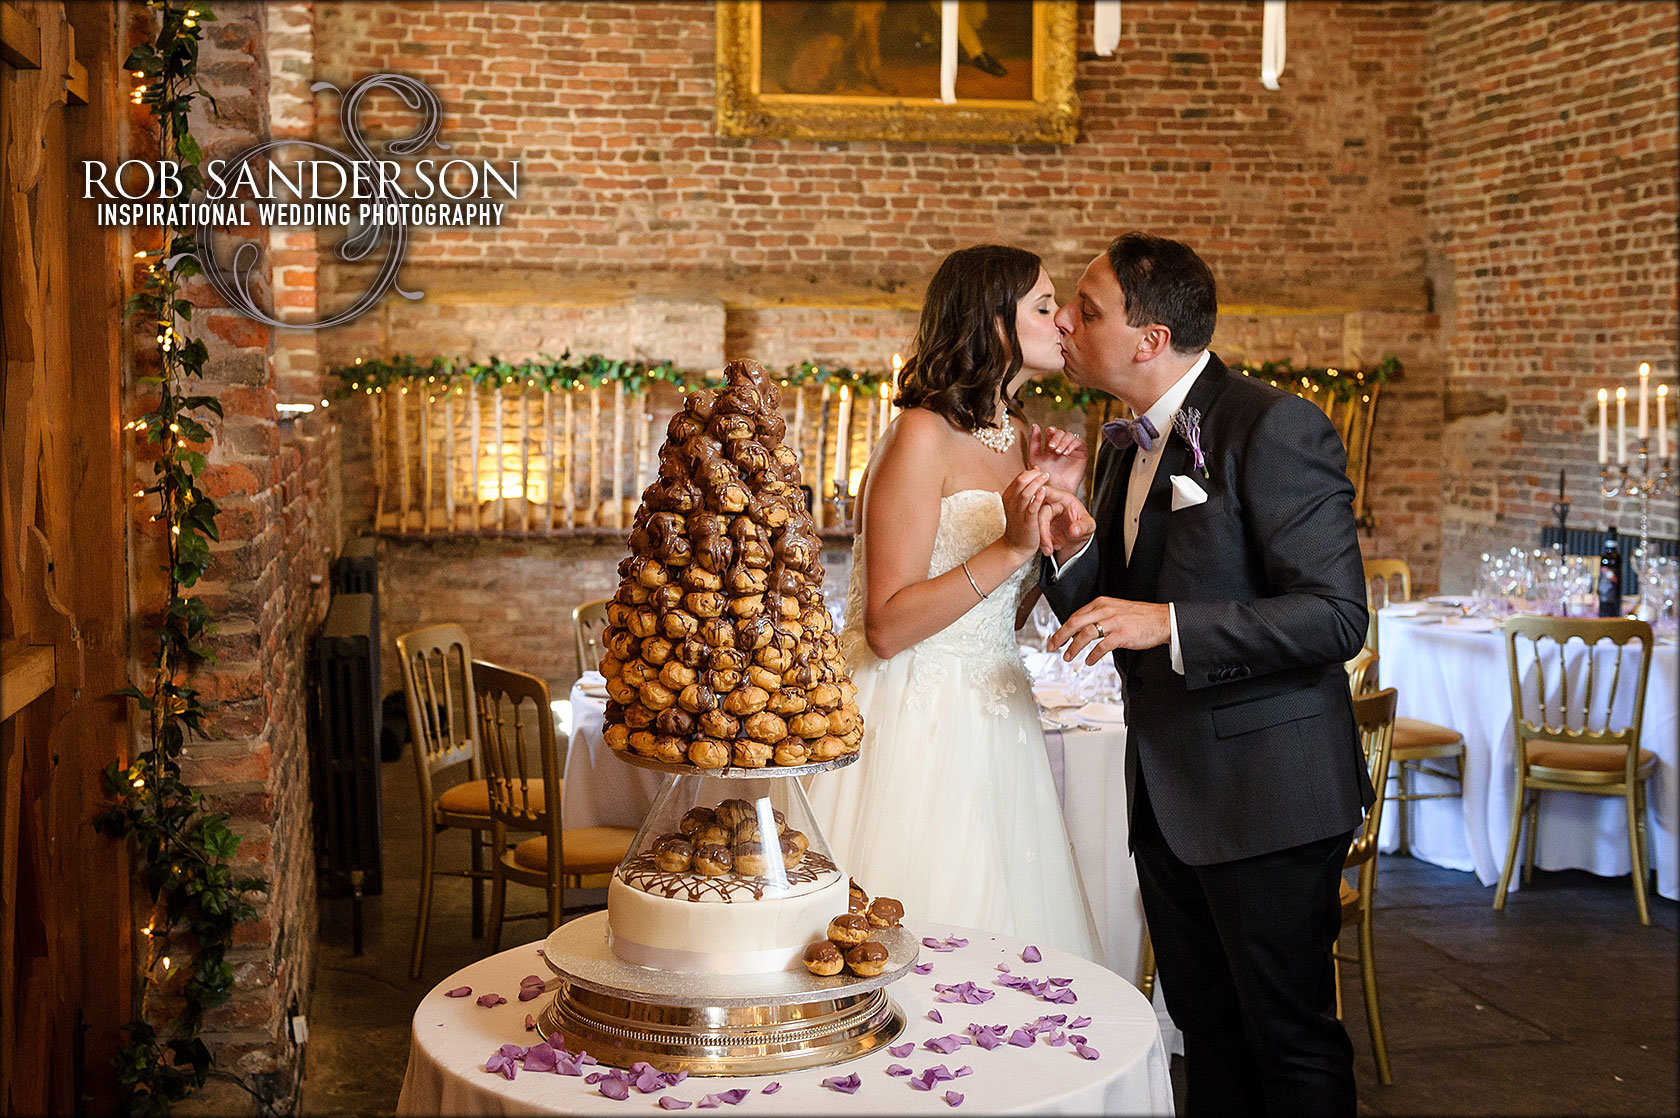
(1094, 631)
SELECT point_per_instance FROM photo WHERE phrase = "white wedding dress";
(950, 807)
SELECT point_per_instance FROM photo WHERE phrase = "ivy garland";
(551, 374)
(185, 850)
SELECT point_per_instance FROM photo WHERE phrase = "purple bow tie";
(1122, 433)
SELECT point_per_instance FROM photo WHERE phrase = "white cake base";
(741, 937)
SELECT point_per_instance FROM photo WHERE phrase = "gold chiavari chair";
(589, 622)
(437, 680)
(1361, 671)
(1569, 755)
(514, 717)
(1375, 715)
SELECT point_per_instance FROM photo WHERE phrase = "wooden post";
(592, 507)
(426, 463)
(818, 497)
(376, 426)
(475, 417)
(571, 480)
(548, 460)
(448, 459)
(402, 457)
(525, 458)
(499, 433)
(615, 511)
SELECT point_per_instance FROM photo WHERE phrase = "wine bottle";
(1610, 577)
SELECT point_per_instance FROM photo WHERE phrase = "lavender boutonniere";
(1188, 423)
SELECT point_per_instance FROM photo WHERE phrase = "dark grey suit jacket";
(1254, 748)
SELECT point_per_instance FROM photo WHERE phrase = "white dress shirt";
(1144, 463)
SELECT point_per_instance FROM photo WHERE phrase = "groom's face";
(1096, 342)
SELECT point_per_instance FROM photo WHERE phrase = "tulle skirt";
(950, 807)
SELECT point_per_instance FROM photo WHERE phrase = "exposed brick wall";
(276, 485)
(1552, 206)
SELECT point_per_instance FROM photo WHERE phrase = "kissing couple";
(1216, 560)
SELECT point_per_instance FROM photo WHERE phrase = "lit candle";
(1644, 395)
(843, 434)
(1603, 427)
(1662, 421)
(898, 367)
(1621, 426)
(886, 406)
(948, 51)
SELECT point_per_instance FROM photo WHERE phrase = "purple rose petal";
(614, 1089)
(945, 1045)
(710, 1102)
(771, 1088)
(586, 1058)
(1061, 982)
(514, 1050)
(1086, 1052)
(540, 1057)
(458, 992)
(1057, 1038)
(502, 1064)
(567, 1064)
(903, 1050)
(1031, 955)
(934, 1015)
(532, 980)
(897, 1069)
(962, 1071)
(923, 968)
(1062, 997)
(953, 1098)
(530, 1022)
(650, 1082)
(845, 1084)
(938, 1073)
(671, 1080)
(491, 1001)
(920, 1084)
(733, 1095)
(666, 1102)
(956, 941)
(526, 993)
(1020, 1038)
(1079, 1023)
(1004, 967)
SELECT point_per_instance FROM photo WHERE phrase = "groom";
(1223, 572)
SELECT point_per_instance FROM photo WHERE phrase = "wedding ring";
(1100, 634)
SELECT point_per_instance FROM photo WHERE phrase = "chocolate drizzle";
(643, 873)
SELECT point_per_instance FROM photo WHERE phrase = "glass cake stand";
(625, 1000)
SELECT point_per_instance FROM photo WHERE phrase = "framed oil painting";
(874, 70)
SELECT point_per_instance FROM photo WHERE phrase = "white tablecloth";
(452, 1038)
(1455, 676)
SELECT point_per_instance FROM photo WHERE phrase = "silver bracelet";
(971, 581)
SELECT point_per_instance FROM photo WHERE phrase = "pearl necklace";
(999, 437)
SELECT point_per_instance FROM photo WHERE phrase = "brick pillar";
(276, 486)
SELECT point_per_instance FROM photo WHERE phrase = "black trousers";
(1243, 953)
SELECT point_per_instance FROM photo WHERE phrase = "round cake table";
(454, 1037)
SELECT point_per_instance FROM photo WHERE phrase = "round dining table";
(991, 1028)
(1454, 672)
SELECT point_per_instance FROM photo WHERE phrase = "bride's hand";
(1021, 504)
(1061, 455)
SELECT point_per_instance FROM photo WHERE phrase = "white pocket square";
(1186, 493)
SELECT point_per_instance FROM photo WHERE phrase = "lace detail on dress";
(981, 641)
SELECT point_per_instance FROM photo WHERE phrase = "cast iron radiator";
(345, 755)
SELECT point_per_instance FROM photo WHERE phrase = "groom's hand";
(1061, 455)
(1106, 624)
(1063, 523)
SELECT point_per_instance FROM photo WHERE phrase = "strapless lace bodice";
(983, 639)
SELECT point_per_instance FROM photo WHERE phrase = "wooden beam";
(20, 40)
(30, 672)
(75, 77)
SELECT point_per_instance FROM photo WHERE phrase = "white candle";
(886, 407)
(1662, 421)
(842, 434)
(1105, 27)
(898, 367)
(948, 51)
(1603, 427)
(1644, 394)
(1621, 426)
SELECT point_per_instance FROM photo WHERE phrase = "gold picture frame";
(841, 70)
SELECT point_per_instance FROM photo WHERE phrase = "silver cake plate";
(761, 1024)
(735, 772)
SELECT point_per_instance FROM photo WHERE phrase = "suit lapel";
(1110, 511)
(1155, 520)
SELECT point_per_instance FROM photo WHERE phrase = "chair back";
(1571, 682)
(1375, 715)
(1381, 578)
(514, 719)
(442, 712)
(589, 622)
(1361, 671)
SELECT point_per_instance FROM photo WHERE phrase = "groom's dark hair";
(1165, 282)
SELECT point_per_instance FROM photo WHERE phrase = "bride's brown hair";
(961, 359)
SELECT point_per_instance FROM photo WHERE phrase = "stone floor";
(1563, 1004)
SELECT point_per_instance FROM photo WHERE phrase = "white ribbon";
(948, 51)
(1105, 27)
(1271, 44)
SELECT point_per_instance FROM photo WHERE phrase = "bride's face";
(1035, 326)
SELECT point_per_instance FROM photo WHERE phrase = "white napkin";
(1055, 698)
(1112, 713)
(1186, 493)
(593, 683)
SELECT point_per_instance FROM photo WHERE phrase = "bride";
(950, 806)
